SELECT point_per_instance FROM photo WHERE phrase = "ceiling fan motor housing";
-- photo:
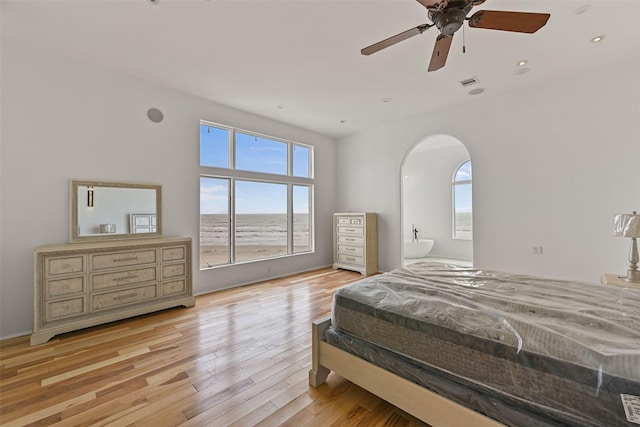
(450, 20)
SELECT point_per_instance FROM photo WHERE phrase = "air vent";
(468, 82)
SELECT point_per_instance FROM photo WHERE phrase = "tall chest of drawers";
(355, 242)
(87, 284)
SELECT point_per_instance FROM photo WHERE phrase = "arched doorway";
(431, 217)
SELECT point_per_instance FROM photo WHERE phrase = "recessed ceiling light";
(582, 9)
(521, 71)
(597, 39)
(522, 63)
(387, 99)
(476, 91)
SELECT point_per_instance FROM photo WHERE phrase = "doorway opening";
(436, 202)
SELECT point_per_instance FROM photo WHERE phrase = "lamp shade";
(626, 225)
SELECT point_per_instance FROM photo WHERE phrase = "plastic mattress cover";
(584, 338)
(591, 325)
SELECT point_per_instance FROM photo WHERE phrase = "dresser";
(355, 242)
(86, 284)
(617, 280)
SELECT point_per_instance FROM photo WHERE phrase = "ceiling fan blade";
(395, 39)
(430, 4)
(440, 52)
(521, 22)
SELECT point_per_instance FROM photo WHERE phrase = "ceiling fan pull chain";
(464, 47)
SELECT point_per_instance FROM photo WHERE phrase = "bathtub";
(419, 249)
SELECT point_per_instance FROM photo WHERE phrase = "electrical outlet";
(536, 250)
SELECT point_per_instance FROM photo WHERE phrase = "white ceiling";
(260, 55)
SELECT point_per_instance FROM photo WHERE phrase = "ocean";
(254, 229)
(464, 225)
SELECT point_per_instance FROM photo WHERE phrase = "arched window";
(462, 206)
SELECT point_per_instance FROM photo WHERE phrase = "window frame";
(233, 175)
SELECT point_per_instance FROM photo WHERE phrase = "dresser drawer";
(65, 265)
(351, 250)
(173, 270)
(177, 253)
(123, 297)
(61, 287)
(348, 220)
(122, 259)
(57, 310)
(356, 231)
(174, 287)
(351, 240)
(351, 259)
(122, 278)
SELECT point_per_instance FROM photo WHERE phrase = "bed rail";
(418, 401)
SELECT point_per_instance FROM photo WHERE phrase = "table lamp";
(628, 225)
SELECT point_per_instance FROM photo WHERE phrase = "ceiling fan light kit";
(449, 15)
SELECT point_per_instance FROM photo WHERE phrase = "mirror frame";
(73, 229)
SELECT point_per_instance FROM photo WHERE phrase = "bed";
(458, 346)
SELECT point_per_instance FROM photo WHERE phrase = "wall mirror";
(114, 210)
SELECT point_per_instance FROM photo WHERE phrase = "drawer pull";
(133, 258)
(129, 276)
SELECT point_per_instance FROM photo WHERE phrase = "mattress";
(520, 349)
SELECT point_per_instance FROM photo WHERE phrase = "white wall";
(551, 165)
(61, 120)
(427, 195)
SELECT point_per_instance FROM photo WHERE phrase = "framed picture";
(143, 223)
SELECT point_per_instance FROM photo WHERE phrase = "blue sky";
(251, 197)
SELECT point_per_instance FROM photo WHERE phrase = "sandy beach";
(211, 255)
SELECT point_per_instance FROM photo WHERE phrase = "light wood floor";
(239, 357)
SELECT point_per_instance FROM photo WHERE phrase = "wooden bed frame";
(418, 401)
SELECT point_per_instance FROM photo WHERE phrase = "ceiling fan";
(449, 15)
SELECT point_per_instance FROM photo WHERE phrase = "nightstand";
(616, 280)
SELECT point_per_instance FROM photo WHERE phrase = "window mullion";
(232, 220)
(290, 241)
(232, 149)
(312, 233)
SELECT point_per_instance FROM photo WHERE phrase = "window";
(301, 230)
(462, 202)
(259, 154)
(260, 220)
(214, 146)
(215, 226)
(256, 196)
